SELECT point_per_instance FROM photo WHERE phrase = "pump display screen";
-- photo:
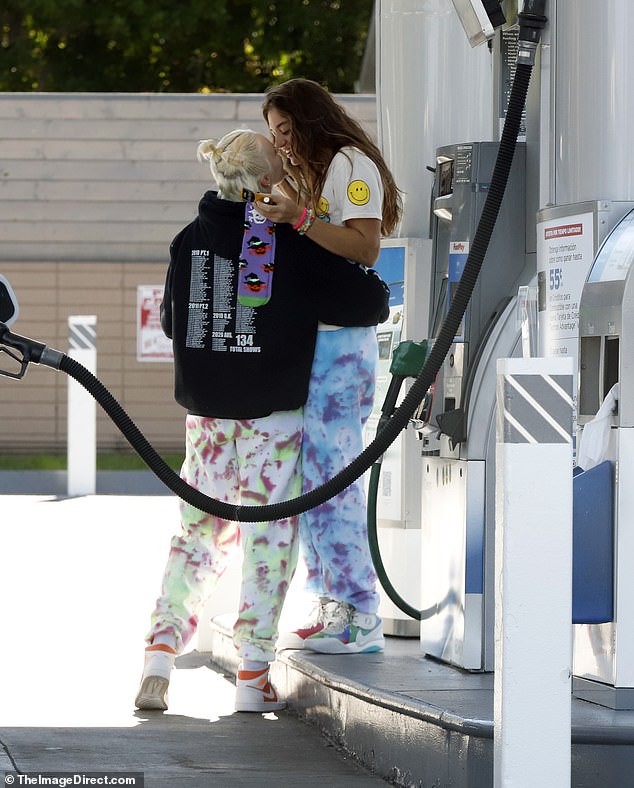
(445, 178)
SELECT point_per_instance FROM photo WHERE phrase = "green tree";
(169, 46)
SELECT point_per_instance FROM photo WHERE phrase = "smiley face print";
(323, 209)
(359, 193)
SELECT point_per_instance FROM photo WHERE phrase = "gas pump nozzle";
(20, 349)
(407, 361)
(23, 351)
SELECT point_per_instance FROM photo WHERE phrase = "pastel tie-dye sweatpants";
(334, 535)
(254, 462)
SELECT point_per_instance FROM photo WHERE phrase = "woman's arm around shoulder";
(357, 239)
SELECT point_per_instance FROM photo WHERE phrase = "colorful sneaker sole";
(361, 643)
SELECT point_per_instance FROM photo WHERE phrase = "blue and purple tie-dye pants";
(333, 536)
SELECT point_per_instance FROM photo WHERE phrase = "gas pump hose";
(531, 23)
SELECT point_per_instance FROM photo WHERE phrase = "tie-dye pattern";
(334, 536)
(253, 461)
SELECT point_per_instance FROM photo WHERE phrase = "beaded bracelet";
(302, 219)
(307, 222)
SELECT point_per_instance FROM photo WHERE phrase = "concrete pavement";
(78, 580)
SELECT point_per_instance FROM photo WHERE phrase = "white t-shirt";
(353, 190)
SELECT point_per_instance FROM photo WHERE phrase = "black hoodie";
(238, 362)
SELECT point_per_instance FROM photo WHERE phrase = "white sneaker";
(319, 617)
(254, 692)
(152, 694)
(349, 632)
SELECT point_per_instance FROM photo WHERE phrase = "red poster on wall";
(151, 342)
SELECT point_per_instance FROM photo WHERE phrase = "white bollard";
(533, 574)
(82, 418)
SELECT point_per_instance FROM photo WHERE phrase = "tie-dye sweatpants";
(334, 535)
(254, 462)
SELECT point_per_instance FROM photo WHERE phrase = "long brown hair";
(320, 127)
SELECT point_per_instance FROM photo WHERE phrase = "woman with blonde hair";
(241, 160)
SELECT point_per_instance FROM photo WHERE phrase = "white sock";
(249, 664)
(165, 639)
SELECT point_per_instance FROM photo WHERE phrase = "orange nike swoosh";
(269, 693)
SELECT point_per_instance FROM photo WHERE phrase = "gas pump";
(604, 649)
(463, 173)
(456, 422)
(568, 238)
(451, 100)
(583, 253)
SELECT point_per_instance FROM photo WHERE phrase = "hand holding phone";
(250, 196)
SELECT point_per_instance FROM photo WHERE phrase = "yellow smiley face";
(359, 192)
(323, 207)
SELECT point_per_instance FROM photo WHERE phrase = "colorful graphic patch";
(358, 192)
(323, 209)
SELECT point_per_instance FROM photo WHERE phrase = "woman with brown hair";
(339, 192)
